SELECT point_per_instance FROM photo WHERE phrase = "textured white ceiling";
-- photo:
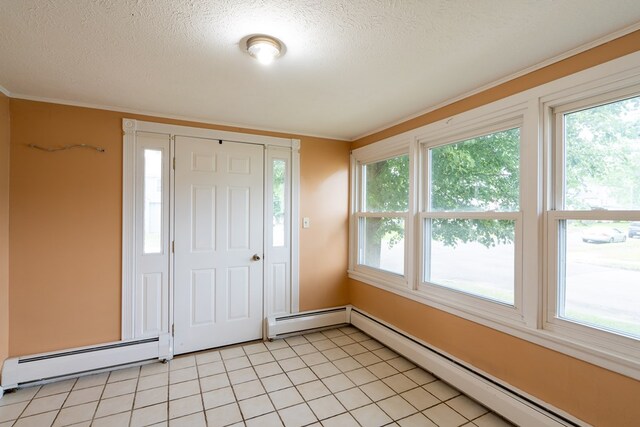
(351, 66)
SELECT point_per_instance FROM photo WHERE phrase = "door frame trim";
(130, 128)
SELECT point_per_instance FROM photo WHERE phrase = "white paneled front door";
(218, 243)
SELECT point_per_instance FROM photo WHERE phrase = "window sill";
(607, 359)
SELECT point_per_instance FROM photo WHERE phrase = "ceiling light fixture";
(264, 48)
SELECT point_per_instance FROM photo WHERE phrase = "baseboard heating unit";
(278, 326)
(515, 405)
(19, 371)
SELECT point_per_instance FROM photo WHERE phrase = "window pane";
(479, 174)
(472, 256)
(602, 157)
(383, 243)
(601, 279)
(152, 230)
(279, 172)
(387, 185)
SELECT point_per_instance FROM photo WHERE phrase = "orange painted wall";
(65, 210)
(4, 227)
(593, 394)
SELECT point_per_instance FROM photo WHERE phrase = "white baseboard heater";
(278, 326)
(515, 405)
(20, 371)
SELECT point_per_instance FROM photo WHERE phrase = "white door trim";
(130, 129)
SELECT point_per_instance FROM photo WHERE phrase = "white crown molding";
(166, 116)
(5, 91)
(538, 66)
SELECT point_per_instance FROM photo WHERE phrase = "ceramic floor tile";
(187, 388)
(396, 407)
(43, 404)
(13, 411)
(420, 376)
(313, 390)
(368, 358)
(182, 375)
(354, 349)
(55, 388)
(261, 358)
(220, 397)
(361, 376)
(208, 357)
(332, 333)
(377, 390)
(231, 353)
(291, 364)
(401, 364)
(120, 388)
(248, 389)
(441, 390)
(382, 369)
(18, 395)
(91, 381)
(301, 376)
(149, 415)
(314, 336)
(40, 420)
(124, 374)
(242, 376)
(212, 368)
(268, 369)
(224, 415)
(121, 419)
(276, 344)
(236, 363)
(193, 420)
(214, 382)
(76, 414)
(283, 353)
(324, 370)
(342, 340)
(313, 359)
(256, 406)
(371, 345)
(255, 348)
(324, 344)
(114, 405)
(326, 407)
(338, 383)
(353, 398)
(444, 416)
(304, 349)
(469, 408)
(276, 382)
(399, 383)
(154, 368)
(359, 336)
(185, 406)
(182, 362)
(285, 397)
(297, 416)
(347, 364)
(342, 420)
(150, 397)
(371, 416)
(492, 420)
(420, 398)
(153, 381)
(416, 420)
(268, 420)
(335, 353)
(296, 340)
(78, 397)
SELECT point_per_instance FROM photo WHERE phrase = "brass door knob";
(256, 257)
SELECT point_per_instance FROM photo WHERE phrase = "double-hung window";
(594, 221)
(382, 217)
(470, 219)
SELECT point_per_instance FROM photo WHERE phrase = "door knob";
(256, 257)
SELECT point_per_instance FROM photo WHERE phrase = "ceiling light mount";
(264, 48)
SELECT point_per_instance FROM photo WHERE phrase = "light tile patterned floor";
(339, 377)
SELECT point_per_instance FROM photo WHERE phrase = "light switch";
(306, 222)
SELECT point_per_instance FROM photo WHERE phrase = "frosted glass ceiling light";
(264, 48)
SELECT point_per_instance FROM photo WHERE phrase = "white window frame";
(534, 106)
(452, 297)
(394, 147)
(556, 214)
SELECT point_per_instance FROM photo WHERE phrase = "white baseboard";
(22, 370)
(515, 405)
(299, 322)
